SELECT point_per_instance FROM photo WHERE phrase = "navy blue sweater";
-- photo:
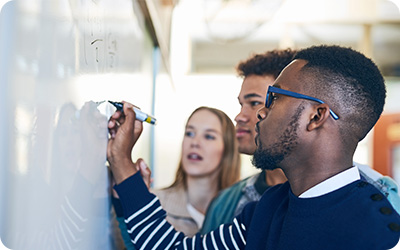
(356, 216)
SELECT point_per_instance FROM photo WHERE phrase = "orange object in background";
(386, 149)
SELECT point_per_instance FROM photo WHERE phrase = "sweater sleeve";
(148, 228)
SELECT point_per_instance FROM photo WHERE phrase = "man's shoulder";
(385, 184)
(229, 197)
(236, 188)
(365, 206)
(222, 208)
(368, 195)
(371, 212)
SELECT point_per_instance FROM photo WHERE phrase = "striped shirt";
(149, 229)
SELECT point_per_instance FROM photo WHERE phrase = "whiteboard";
(59, 60)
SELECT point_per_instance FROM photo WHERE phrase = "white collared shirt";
(333, 183)
(197, 216)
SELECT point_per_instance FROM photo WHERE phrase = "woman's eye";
(210, 137)
(189, 133)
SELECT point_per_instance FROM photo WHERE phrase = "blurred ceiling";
(220, 33)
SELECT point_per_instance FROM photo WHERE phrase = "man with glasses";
(325, 204)
(259, 72)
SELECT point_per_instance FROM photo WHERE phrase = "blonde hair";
(230, 163)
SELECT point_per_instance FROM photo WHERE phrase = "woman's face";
(202, 145)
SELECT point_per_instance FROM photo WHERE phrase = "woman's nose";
(195, 142)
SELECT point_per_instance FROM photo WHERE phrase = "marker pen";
(140, 115)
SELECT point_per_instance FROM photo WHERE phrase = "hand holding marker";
(140, 115)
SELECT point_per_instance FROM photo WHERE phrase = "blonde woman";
(210, 162)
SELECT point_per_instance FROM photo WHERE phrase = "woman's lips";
(194, 157)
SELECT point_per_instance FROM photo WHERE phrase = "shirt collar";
(333, 183)
(197, 216)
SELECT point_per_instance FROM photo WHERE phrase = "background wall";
(210, 37)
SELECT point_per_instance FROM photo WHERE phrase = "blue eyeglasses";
(272, 89)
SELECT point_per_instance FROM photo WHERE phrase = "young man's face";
(281, 126)
(251, 99)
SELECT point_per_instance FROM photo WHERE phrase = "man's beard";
(271, 157)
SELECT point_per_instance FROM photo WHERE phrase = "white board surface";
(58, 58)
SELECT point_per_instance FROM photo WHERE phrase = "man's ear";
(318, 117)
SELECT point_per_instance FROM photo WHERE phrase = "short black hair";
(268, 63)
(350, 82)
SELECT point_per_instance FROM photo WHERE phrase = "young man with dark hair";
(306, 129)
(258, 72)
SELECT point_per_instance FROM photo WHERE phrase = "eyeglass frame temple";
(272, 89)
